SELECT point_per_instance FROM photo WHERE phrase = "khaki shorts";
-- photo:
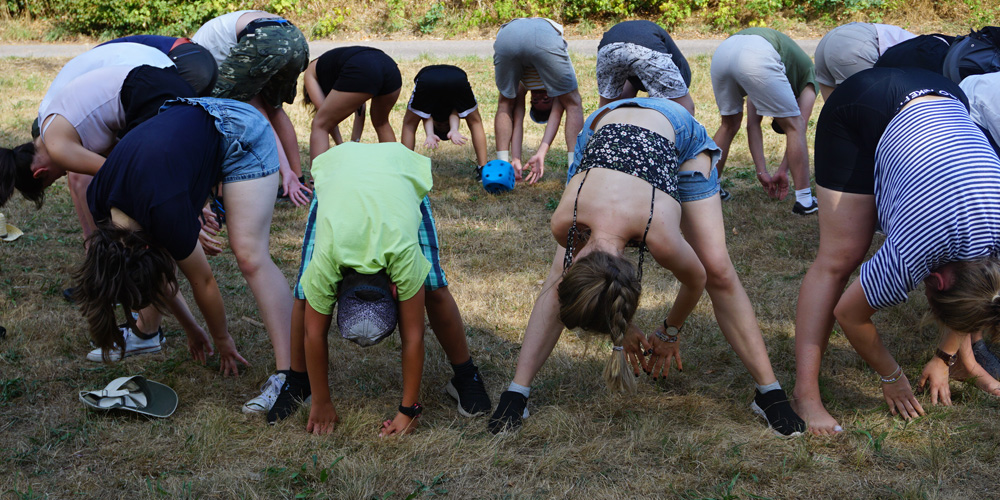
(748, 65)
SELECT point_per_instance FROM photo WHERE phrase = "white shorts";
(747, 65)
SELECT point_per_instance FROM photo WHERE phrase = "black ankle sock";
(299, 376)
(465, 369)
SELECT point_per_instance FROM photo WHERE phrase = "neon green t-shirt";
(368, 216)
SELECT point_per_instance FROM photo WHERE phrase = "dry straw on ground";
(689, 436)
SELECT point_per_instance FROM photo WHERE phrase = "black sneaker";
(511, 411)
(293, 393)
(986, 358)
(773, 407)
(725, 195)
(470, 394)
(803, 210)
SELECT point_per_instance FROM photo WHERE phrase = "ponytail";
(122, 266)
(600, 292)
(15, 173)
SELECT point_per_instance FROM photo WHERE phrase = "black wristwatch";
(949, 359)
(411, 411)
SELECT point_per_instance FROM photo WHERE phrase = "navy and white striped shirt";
(937, 193)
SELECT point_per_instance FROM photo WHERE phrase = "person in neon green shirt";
(371, 217)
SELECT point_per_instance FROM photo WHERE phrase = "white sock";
(503, 155)
(520, 389)
(804, 197)
(769, 387)
(569, 159)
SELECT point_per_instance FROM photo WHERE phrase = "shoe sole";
(145, 350)
(760, 413)
(451, 391)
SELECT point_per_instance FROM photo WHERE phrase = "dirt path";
(397, 49)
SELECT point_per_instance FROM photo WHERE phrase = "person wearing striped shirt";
(897, 150)
(530, 55)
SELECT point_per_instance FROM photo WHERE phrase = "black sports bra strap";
(642, 246)
(571, 236)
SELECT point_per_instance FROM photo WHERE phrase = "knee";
(250, 262)
(720, 274)
(839, 265)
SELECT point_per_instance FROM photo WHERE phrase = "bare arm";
(66, 149)
(855, 317)
(411, 332)
(206, 294)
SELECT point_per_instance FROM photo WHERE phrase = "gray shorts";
(616, 62)
(532, 42)
(747, 65)
(844, 51)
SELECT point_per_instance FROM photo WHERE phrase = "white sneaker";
(134, 344)
(268, 394)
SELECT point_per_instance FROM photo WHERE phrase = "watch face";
(672, 331)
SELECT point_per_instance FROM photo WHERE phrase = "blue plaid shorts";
(427, 235)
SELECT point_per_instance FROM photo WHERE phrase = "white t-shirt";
(93, 106)
(117, 54)
(984, 101)
(889, 35)
(219, 35)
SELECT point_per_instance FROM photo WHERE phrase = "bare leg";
(249, 210)
(408, 135)
(967, 368)
(796, 149)
(846, 226)
(446, 321)
(686, 101)
(826, 91)
(544, 327)
(728, 127)
(475, 122)
(703, 228)
(335, 108)
(574, 117)
(381, 107)
(298, 335)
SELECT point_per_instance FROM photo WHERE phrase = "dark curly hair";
(124, 267)
(15, 173)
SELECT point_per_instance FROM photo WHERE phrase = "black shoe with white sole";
(470, 393)
(773, 406)
(511, 411)
(804, 210)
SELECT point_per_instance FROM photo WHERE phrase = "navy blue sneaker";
(470, 393)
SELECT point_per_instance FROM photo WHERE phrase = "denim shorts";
(690, 139)
(251, 151)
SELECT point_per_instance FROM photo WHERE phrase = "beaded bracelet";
(893, 377)
(666, 337)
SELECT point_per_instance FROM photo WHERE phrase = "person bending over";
(640, 55)
(889, 143)
(850, 48)
(441, 98)
(260, 56)
(530, 55)
(148, 200)
(634, 146)
(370, 245)
(776, 76)
(339, 83)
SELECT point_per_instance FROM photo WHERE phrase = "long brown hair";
(15, 173)
(972, 303)
(126, 267)
(600, 292)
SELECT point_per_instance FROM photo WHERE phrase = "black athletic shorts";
(145, 90)
(925, 51)
(853, 119)
(439, 91)
(358, 69)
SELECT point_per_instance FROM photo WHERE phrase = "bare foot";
(818, 421)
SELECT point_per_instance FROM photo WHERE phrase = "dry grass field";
(689, 436)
